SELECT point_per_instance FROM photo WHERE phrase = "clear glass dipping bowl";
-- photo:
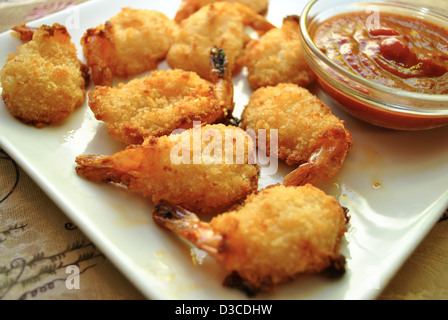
(377, 104)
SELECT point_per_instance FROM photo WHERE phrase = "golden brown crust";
(130, 43)
(279, 233)
(99, 51)
(308, 131)
(157, 105)
(43, 81)
(219, 24)
(275, 235)
(149, 169)
(188, 7)
(277, 57)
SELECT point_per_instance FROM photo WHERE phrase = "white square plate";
(387, 223)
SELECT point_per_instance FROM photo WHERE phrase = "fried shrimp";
(220, 24)
(164, 101)
(309, 134)
(277, 57)
(275, 235)
(206, 169)
(130, 43)
(43, 82)
(188, 7)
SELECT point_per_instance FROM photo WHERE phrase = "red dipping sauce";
(396, 51)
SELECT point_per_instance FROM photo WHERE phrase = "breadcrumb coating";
(188, 7)
(219, 24)
(275, 235)
(277, 57)
(309, 134)
(207, 186)
(130, 43)
(43, 82)
(156, 105)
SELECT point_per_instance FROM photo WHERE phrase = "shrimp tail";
(186, 9)
(218, 60)
(325, 162)
(255, 20)
(300, 176)
(187, 225)
(97, 168)
(98, 50)
(292, 18)
(174, 217)
(337, 267)
(235, 281)
(25, 32)
(222, 78)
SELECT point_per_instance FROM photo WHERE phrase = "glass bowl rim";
(358, 79)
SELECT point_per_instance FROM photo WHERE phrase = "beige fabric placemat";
(38, 243)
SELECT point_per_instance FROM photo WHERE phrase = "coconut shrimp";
(220, 24)
(277, 234)
(309, 134)
(205, 169)
(130, 43)
(43, 82)
(188, 7)
(164, 101)
(277, 57)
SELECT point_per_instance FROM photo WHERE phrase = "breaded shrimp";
(130, 43)
(275, 235)
(220, 24)
(309, 134)
(277, 57)
(43, 82)
(188, 7)
(188, 169)
(164, 101)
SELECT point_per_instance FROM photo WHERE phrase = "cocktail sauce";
(394, 50)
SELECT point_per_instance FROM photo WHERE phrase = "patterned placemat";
(39, 247)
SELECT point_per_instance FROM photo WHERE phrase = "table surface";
(38, 242)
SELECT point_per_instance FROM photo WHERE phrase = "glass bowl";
(374, 103)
